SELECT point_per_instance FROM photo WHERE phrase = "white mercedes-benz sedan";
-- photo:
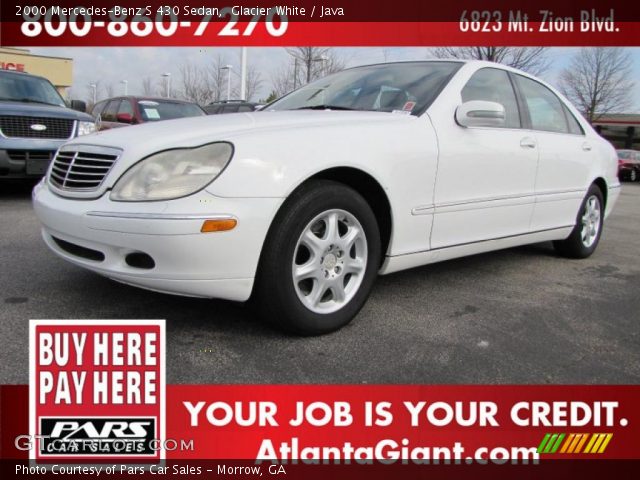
(299, 207)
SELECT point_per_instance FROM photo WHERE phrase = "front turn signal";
(224, 225)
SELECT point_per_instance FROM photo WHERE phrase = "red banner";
(383, 424)
(334, 23)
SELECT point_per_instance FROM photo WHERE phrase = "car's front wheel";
(633, 175)
(319, 261)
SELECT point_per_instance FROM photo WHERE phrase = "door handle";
(528, 142)
(586, 147)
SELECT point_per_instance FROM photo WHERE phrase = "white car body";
(452, 191)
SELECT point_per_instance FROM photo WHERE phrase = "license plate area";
(37, 166)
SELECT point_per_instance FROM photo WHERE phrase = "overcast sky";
(111, 65)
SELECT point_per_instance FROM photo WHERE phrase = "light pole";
(228, 68)
(167, 75)
(126, 86)
(323, 59)
(295, 73)
(243, 73)
(94, 87)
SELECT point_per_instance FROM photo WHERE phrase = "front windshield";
(155, 110)
(407, 87)
(24, 88)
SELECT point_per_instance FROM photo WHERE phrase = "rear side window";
(212, 109)
(230, 109)
(245, 108)
(493, 85)
(574, 126)
(545, 108)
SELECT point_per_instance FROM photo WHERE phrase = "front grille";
(36, 127)
(43, 155)
(83, 171)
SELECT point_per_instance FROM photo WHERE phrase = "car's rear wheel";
(633, 175)
(319, 261)
(586, 234)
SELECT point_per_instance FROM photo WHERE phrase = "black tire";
(275, 296)
(574, 246)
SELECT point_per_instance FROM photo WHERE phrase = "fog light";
(140, 260)
(218, 225)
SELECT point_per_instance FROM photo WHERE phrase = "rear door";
(566, 156)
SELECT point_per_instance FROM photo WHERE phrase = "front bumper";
(185, 261)
(25, 163)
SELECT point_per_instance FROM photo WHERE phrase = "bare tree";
(204, 84)
(254, 82)
(217, 78)
(313, 62)
(147, 86)
(530, 59)
(108, 88)
(304, 65)
(195, 85)
(282, 80)
(598, 81)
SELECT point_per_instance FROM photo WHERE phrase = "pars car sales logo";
(97, 389)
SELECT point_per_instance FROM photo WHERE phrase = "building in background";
(621, 129)
(58, 70)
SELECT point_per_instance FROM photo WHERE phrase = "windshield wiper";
(29, 100)
(325, 107)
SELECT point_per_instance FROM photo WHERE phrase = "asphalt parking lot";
(517, 316)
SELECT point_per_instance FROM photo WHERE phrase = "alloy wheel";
(329, 261)
(591, 219)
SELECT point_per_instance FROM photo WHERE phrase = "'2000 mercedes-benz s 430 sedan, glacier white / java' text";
(300, 206)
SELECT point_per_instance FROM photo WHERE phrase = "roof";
(22, 74)
(139, 98)
(619, 119)
(225, 102)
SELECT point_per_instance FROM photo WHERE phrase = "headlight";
(172, 174)
(85, 128)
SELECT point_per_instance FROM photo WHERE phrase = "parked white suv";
(368, 171)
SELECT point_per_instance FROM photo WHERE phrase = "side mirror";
(124, 118)
(79, 105)
(479, 113)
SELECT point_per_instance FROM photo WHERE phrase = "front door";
(486, 175)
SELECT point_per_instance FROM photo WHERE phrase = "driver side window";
(493, 85)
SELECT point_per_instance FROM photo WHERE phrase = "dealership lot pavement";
(516, 316)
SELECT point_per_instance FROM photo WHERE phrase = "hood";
(144, 139)
(246, 131)
(41, 110)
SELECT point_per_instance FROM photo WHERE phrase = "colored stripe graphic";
(592, 440)
(572, 443)
(578, 438)
(555, 447)
(543, 443)
(605, 443)
(569, 441)
(581, 443)
(550, 443)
